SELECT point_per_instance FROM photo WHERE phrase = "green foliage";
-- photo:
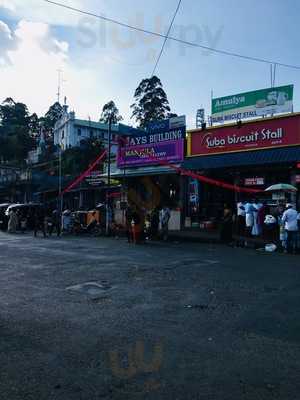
(52, 116)
(15, 138)
(151, 102)
(77, 159)
(110, 110)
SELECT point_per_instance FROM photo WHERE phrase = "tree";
(110, 110)
(16, 140)
(151, 102)
(14, 117)
(52, 116)
(34, 125)
(78, 159)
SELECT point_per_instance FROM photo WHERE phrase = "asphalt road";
(86, 318)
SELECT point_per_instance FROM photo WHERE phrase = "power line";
(213, 50)
(166, 38)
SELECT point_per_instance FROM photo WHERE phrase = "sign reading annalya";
(252, 104)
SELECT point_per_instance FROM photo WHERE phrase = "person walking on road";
(12, 222)
(290, 221)
(56, 223)
(165, 215)
(39, 223)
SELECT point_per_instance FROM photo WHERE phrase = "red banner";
(279, 132)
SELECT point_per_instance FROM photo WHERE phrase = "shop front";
(249, 156)
(143, 165)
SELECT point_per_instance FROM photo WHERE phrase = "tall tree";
(14, 117)
(16, 140)
(151, 102)
(52, 115)
(110, 110)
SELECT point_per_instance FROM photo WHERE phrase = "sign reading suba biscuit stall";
(277, 132)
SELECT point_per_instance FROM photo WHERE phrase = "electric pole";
(108, 210)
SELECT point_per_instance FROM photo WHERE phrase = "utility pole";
(108, 211)
(59, 73)
(61, 199)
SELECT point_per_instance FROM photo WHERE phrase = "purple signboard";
(165, 151)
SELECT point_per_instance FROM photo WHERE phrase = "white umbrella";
(281, 187)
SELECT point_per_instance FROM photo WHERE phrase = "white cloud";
(6, 42)
(5, 31)
(8, 5)
(31, 74)
(40, 10)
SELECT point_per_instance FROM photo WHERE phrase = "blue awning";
(247, 158)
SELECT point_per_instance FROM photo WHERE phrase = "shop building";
(251, 154)
(143, 167)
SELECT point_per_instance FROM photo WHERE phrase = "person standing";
(226, 225)
(290, 221)
(128, 217)
(241, 222)
(12, 222)
(165, 215)
(154, 223)
(256, 228)
(249, 209)
(23, 223)
(56, 223)
(136, 226)
(39, 223)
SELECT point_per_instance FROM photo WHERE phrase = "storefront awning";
(247, 158)
(141, 171)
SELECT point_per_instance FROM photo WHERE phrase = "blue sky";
(103, 62)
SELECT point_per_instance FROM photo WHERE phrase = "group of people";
(253, 218)
(141, 225)
(44, 222)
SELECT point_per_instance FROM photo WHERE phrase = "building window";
(79, 132)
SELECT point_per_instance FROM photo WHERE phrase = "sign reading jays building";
(269, 133)
(163, 141)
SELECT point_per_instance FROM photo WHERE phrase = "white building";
(70, 131)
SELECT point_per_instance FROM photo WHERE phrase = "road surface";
(97, 318)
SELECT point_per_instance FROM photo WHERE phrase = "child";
(23, 223)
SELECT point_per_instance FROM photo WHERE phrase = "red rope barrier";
(181, 171)
(202, 178)
(84, 174)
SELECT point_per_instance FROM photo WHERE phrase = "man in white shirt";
(290, 221)
(241, 221)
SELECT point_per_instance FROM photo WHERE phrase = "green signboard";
(253, 104)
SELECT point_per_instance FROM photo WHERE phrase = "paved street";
(164, 321)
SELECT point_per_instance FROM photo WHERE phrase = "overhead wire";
(166, 38)
(157, 34)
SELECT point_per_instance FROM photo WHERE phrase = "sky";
(102, 62)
